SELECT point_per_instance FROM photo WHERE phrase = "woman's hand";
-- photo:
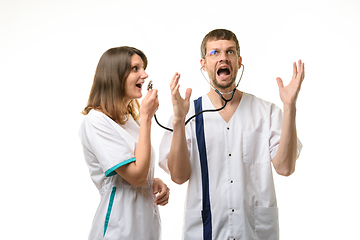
(149, 104)
(162, 191)
(136, 173)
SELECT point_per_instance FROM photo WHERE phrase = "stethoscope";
(207, 110)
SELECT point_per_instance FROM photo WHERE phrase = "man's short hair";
(219, 34)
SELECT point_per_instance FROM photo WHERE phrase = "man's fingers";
(174, 86)
(303, 69)
(188, 94)
(174, 81)
(176, 89)
(280, 83)
(294, 69)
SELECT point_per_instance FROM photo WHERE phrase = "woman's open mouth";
(139, 85)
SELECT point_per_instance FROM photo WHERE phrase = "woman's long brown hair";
(108, 89)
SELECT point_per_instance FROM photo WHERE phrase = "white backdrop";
(48, 54)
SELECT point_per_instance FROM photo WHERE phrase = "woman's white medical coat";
(125, 211)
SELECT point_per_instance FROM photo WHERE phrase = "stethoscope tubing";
(208, 110)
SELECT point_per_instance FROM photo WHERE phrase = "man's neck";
(231, 106)
(218, 102)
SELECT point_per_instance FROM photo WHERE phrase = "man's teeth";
(223, 71)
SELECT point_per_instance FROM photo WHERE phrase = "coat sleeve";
(276, 119)
(107, 144)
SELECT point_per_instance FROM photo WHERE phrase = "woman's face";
(135, 80)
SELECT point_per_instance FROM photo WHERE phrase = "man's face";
(221, 62)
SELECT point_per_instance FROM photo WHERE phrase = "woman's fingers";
(163, 197)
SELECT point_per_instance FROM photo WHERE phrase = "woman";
(118, 150)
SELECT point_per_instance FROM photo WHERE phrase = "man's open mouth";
(223, 71)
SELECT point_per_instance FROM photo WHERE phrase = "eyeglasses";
(217, 53)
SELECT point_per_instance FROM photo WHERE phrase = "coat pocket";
(255, 148)
(108, 213)
(193, 225)
(266, 223)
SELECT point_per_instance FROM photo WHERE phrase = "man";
(227, 155)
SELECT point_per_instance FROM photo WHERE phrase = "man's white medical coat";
(241, 192)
